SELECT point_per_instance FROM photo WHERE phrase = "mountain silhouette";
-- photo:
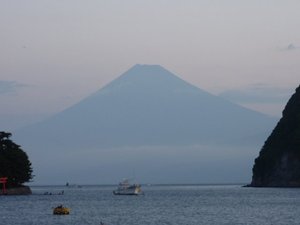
(278, 163)
(146, 106)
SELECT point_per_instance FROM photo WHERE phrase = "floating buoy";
(60, 210)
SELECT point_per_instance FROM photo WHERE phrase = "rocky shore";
(24, 190)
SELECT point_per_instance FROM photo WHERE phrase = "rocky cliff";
(278, 163)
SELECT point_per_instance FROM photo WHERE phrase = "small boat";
(125, 188)
(60, 210)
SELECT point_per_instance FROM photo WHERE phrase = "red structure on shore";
(3, 181)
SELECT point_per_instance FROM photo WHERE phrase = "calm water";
(161, 205)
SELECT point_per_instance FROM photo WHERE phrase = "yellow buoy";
(60, 210)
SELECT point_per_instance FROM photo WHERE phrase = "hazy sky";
(55, 52)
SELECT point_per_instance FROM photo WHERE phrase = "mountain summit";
(146, 107)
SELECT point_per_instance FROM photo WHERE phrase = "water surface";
(161, 205)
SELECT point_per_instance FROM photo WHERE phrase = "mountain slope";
(149, 119)
(148, 105)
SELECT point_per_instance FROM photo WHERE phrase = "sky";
(54, 53)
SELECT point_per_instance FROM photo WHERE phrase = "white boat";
(125, 188)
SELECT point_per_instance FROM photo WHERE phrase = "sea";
(160, 205)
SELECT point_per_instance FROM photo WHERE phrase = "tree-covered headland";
(278, 163)
(14, 162)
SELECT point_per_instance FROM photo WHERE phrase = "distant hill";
(278, 163)
(146, 106)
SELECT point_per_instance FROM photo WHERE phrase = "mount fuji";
(150, 124)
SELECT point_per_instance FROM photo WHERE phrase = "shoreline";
(24, 190)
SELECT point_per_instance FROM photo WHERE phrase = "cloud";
(291, 47)
(258, 93)
(10, 86)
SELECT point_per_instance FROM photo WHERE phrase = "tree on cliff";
(278, 163)
(14, 162)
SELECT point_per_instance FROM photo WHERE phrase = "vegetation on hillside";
(14, 162)
(280, 156)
